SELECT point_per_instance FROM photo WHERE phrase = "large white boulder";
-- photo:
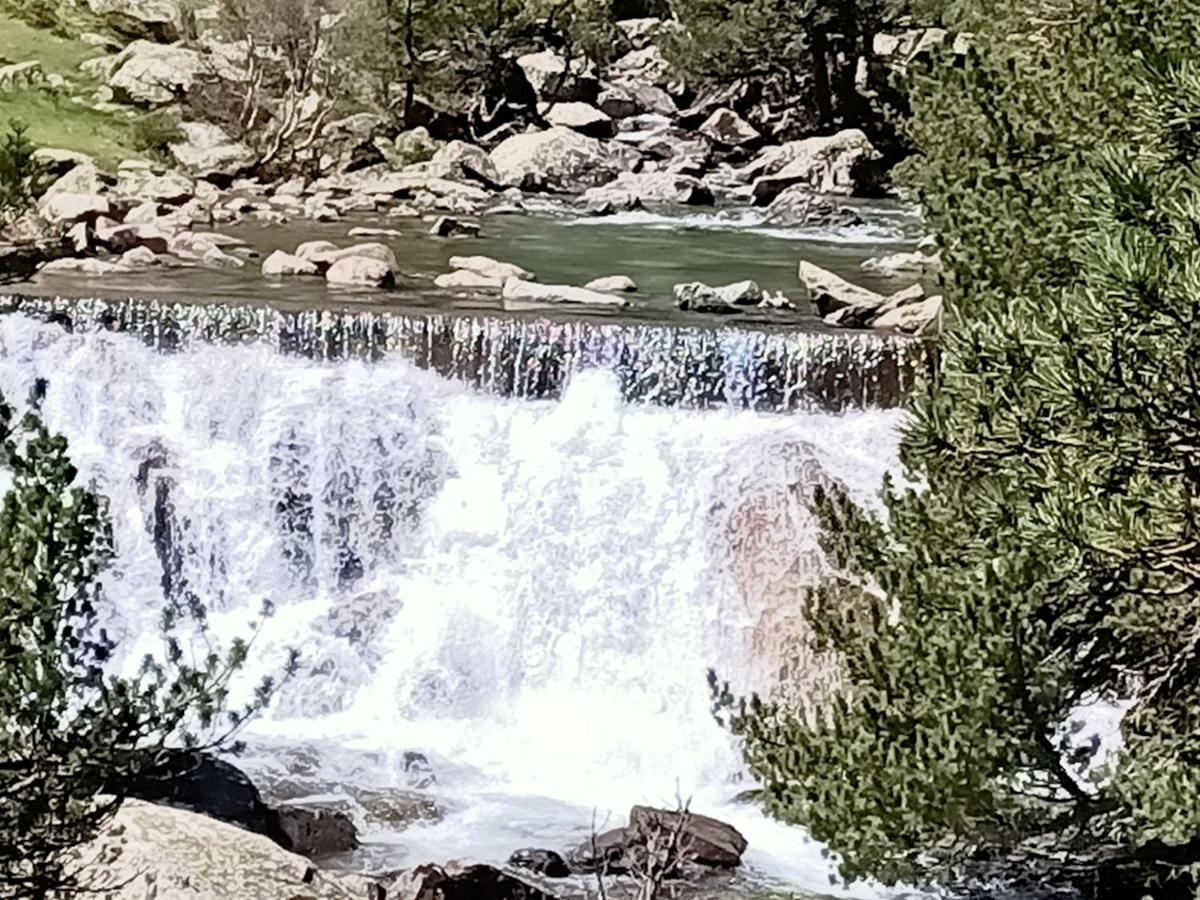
(208, 152)
(490, 268)
(145, 72)
(552, 78)
(517, 290)
(830, 292)
(280, 264)
(581, 117)
(64, 208)
(155, 19)
(843, 163)
(158, 851)
(726, 128)
(560, 159)
(361, 271)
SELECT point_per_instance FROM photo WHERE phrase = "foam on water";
(528, 592)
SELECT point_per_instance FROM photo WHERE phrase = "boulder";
(409, 147)
(471, 281)
(553, 80)
(314, 832)
(460, 160)
(83, 267)
(280, 264)
(150, 850)
(652, 187)
(543, 862)
(646, 65)
(642, 32)
(844, 163)
(476, 882)
(727, 129)
(921, 318)
(626, 98)
(708, 841)
(830, 292)
(616, 284)
(699, 297)
(124, 237)
(901, 265)
(149, 73)
(581, 117)
(78, 238)
(202, 783)
(324, 255)
(82, 179)
(156, 20)
(65, 208)
(516, 289)
(350, 143)
(490, 268)
(56, 163)
(449, 227)
(798, 206)
(208, 152)
(603, 852)
(140, 258)
(218, 259)
(361, 271)
(138, 183)
(687, 155)
(560, 159)
(375, 232)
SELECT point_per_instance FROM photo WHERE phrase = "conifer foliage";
(1047, 565)
(73, 734)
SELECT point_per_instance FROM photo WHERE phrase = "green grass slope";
(64, 119)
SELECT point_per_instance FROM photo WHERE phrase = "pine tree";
(73, 734)
(1050, 557)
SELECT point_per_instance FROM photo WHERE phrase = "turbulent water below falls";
(527, 591)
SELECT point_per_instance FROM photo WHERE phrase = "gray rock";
(921, 318)
(361, 271)
(324, 255)
(616, 284)
(280, 264)
(472, 281)
(627, 98)
(553, 80)
(560, 159)
(830, 292)
(844, 163)
(900, 265)
(149, 73)
(67, 208)
(798, 206)
(543, 862)
(157, 20)
(449, 227)
(140, 258)
(646, 65)
(458, 160)
(83, 267)
(728, 129)
(518, 291)
(208, 152)
(652, 187)
(700, 297)
(581, 117)
(490, 268)
(709, 842)
(314, 832)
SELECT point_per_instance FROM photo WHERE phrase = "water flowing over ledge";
(533, 358)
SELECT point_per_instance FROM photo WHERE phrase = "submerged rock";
(543, 862)
(314, 832)
(700, 297)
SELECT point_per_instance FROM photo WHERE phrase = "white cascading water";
(528, 592)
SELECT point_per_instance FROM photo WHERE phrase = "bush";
(73, 734)
(17, 170)
(154, 131)
(1049, 562)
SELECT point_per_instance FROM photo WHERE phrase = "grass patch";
(63, 120)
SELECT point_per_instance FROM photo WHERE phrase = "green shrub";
(17, 170)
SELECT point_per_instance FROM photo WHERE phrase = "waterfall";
(514, 546)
